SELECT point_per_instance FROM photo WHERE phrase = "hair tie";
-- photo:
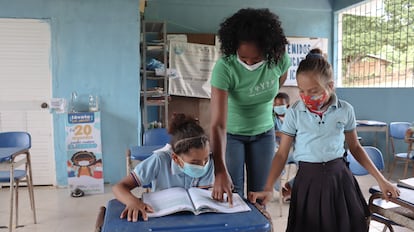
(188, 139)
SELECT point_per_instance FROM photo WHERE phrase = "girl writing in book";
(185, 162)
(325, 195)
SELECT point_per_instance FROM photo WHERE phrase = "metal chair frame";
(16, 175)
(397, 132)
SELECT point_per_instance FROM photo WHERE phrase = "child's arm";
(133, 205)
(278, 165)
(388, 189)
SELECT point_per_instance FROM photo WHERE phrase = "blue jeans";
(257, 153)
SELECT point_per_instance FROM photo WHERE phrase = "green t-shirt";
(250, 93)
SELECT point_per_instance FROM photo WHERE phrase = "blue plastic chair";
(374, 154)
(358, 170)
(153, 139)
(397, 133)
(156, 137)
(20, 142)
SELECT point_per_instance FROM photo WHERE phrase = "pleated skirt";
(326, 198)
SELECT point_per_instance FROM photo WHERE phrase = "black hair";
(259, 26)
(316, 62)
(283, 95)
(186, 133)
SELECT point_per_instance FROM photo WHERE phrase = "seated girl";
(185, 162)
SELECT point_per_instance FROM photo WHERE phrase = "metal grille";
(376, 44)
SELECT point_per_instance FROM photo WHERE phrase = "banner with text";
(297, 50)
(84, 152)
(194, 64)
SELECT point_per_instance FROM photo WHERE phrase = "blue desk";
(186, 221)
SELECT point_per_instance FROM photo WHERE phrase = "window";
(376, 44)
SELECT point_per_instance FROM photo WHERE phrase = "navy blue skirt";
(326, 197)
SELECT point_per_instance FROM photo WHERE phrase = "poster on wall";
(84, 152)
(194, 64)
(297, 50)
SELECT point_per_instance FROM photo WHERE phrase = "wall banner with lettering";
(84, 152)
(297, 49)
(194, 64)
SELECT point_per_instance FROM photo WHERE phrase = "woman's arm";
(362, 157)
(278, 164)
(218, 107)
(282, 79)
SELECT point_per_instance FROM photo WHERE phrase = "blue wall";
(94, 50)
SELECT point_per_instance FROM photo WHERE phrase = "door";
(25, 89)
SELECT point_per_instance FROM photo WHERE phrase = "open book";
(195, 200)
(406, 183)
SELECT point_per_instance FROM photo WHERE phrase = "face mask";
(280, 110)
(314, 103)
(194, 171)
(250, 67)
(83, 163)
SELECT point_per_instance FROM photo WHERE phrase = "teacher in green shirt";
(244, 82)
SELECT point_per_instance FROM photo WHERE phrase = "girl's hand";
(389, 190)
(260, 197)
(132, 211)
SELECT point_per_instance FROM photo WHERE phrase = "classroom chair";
(397, 133)
(358, 170)
(153, 139)
(16, 169)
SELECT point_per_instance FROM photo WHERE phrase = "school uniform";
(162, 172)
(325, 194)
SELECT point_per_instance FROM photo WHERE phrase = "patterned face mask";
(314, 103)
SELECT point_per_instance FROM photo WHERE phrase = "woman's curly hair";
(259, 26)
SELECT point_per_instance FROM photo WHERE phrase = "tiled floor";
(58, 212)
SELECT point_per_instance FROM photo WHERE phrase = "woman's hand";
(222, 184)
(260, 197)
(132, 211)
(389, 190)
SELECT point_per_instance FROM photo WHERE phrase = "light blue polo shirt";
(319, 139)
(163, 173)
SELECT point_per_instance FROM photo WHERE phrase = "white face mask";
(250, 67)
(83, 163)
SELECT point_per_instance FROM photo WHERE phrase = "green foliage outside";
(389, 36)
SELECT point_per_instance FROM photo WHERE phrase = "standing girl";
(325, 195)
(244, 83)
